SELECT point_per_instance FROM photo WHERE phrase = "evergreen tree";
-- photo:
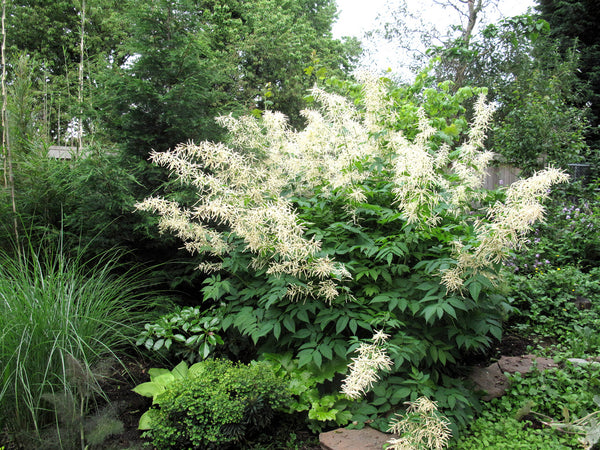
(173, 80)
(189, 61)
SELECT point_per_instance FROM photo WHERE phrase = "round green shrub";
(221, 403)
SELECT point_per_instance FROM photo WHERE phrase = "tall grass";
(59, 316)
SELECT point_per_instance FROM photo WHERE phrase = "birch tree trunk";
(80, 93)
(9, 180)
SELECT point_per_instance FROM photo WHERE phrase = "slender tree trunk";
(9, 180)
(80, 93)
(475, 7)
(4, 102)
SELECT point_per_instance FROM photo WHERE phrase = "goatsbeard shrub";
(371, 217)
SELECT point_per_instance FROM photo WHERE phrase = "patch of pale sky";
(356, 17)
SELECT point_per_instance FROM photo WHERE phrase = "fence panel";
(501, 175)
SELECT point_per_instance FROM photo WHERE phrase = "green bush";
(370, 218)
(551, 301)
(553, 281)
(216, 403)
(502, 432)
(89, 202)
(569, 237)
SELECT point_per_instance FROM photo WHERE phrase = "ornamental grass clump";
(371, 217)
(59, 317)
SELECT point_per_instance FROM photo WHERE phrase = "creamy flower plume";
(423, 172)
(505, 225)
(243, 187)
(421, 426)
(364, 369)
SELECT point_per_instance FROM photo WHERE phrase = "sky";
(355, 18)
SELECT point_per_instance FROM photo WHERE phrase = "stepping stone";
(492, 380)
(524, 364)
(342, 439)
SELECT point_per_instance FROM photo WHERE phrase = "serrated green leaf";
(304, 357)
(341, 324)
(317, 358)
(289, 324)
(353, 325)
(325, 351)
(379, 401)
(400, 394)
(277, 330)
(381, 298)
(322, 414)
(429, 312)
(449, 309)
(475, 289)
(303, 316)
(343, 417)
(302, 334)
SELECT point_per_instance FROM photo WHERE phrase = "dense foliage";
(540, 119)
(186, 333)
(573, 24)
(326, 238)
(189, 61)
(554, 408)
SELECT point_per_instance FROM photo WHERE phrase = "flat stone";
(524, 364)
(583, 362)
(342, 439)
(491, 380)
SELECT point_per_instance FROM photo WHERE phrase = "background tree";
(540, 116)
(154, 74)
(190, 61)
(536, 92)
(281, 40)
(574, 24)
(415, 36)
(172, 83)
